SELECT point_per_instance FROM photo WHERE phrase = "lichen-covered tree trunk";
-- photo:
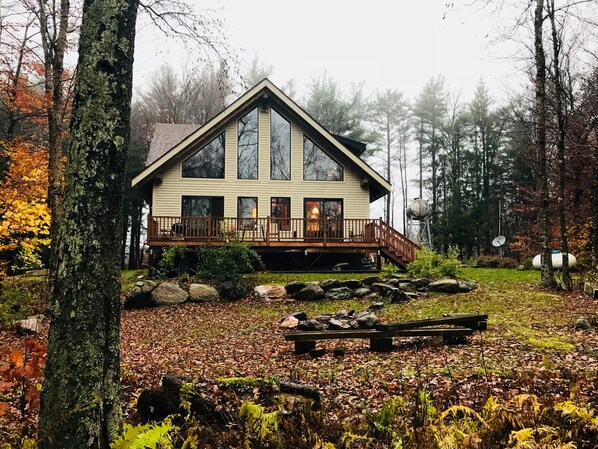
(80, 397)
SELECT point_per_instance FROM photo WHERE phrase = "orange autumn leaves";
(24, 214)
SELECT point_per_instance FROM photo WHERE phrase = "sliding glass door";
(324, 218)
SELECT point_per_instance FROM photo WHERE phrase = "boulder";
(377, 306)
(582, 323)
(406, 286)
(339, 293)
(466, 286)
(289, 322)
(323, 319)
(393, 281)
(338, 324)
(351, 283)
(341, 314)
(421, 283)
(148, 286)
(330, 284)
(311, 292)
(372, 280)
(310, 325)
(444, 285)
(31, 325)
(301, 316)
(168, 294)
(367, 320)
(391, 293)
(270, 292)
(202, 293)
(294, 287)
(399, 295)
(360, 292)
(135, 298)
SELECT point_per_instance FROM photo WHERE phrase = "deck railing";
(215, 229)
(270, 230)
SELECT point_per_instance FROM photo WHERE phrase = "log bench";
(381, 337)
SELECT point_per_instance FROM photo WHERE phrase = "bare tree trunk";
(54, 40)
(562, 132)
(595, 203)
(542, 173)
(388, 173)
(80, 404)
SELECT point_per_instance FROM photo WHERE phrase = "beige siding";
(167, 196)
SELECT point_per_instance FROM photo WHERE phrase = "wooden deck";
(284, 233)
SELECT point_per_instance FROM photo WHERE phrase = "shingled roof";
(166, 136)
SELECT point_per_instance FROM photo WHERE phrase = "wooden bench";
(381, 337)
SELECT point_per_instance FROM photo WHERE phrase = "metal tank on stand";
(418, 222)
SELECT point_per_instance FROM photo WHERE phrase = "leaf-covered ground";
(530, 346)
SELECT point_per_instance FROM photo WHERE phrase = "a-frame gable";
(262, 90)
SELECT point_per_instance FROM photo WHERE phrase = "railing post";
(209, 228)
(268, 229)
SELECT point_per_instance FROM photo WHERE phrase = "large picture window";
(317, 165)
(202, 206)
(280, 147)
(247, 146)
(208, 162)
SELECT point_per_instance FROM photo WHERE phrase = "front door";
(323, 219)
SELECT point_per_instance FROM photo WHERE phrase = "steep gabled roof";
(263, 88)
(166, 136)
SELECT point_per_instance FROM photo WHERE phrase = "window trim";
(290, 144)
(257, 109)
(305, 137)
(223, 134)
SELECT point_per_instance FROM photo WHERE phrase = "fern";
(259, 424)
(148, 436)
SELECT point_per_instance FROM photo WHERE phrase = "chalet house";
(263, 171)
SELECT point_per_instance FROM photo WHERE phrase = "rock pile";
(394, 289)
(340, 320)
(151, 294)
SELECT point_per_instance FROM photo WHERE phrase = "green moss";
(547, 343)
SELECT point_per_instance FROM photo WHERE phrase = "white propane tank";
(557, 261)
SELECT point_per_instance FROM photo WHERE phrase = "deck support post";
(381, 344)
(303, 347)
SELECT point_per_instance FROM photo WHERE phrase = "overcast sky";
(395, 44)
(388, 44)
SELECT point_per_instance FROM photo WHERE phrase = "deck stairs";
(395, 247)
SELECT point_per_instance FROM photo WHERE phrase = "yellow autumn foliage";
(24, 213)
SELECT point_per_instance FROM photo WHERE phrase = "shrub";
(170, 260)
(431, 264)
(495, 262)
(230, 266)
(227, 263)
(16, 302)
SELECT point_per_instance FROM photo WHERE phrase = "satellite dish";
(499, 241)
